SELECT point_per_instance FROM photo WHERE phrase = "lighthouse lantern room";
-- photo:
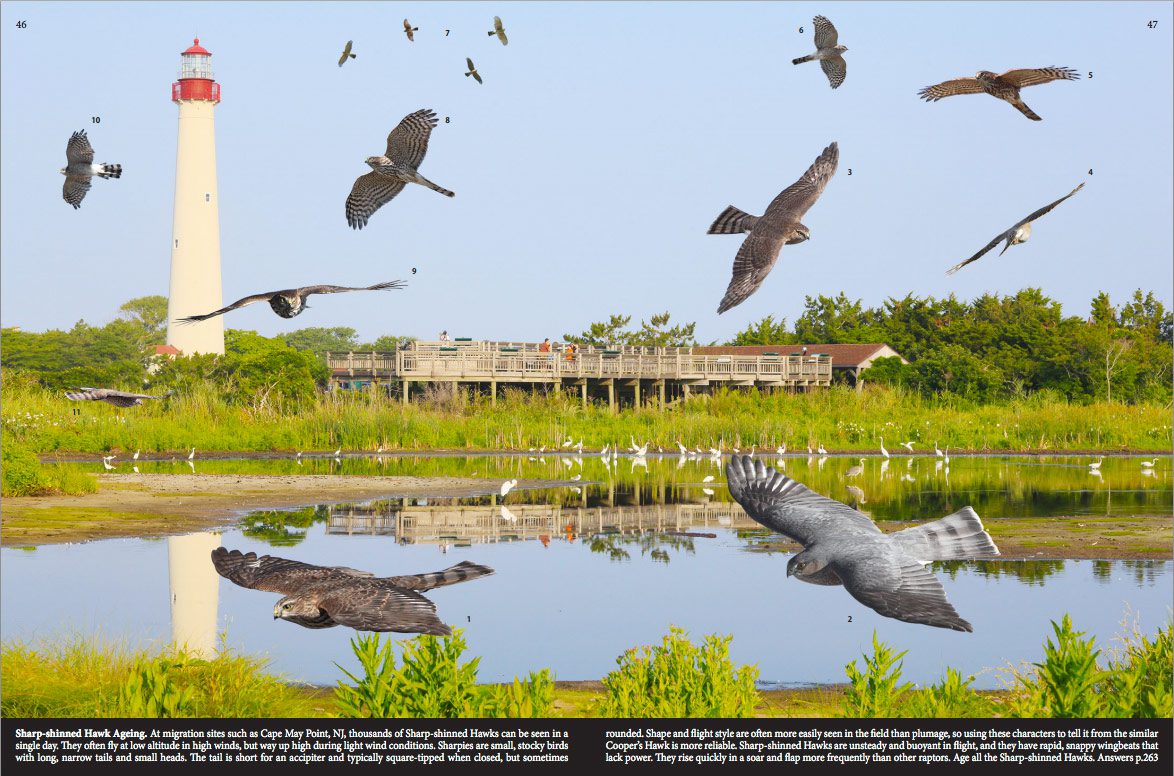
(195, 76)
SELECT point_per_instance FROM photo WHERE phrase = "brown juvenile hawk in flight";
(499, 31)
(110, 396)
(1016, 234)
(325, 596)
(406, 146)
(409, 30)
(827, 51)
(291, 301)
(1005, 87)
(778, 226)
(81, 169)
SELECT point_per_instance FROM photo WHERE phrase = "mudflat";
(169, 504)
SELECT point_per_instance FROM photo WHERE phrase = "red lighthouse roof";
(196, 48)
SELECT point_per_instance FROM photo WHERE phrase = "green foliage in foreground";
(1068, 683)
(85, 678)
(679, 679)
(433, 683)
(76, 678)
(23, 475)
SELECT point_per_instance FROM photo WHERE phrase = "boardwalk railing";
(524, 362)
(474, 524)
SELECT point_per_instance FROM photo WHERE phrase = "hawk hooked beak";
(277, 611)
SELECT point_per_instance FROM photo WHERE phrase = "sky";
(587, 167)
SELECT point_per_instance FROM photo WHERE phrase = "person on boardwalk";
(444, 336)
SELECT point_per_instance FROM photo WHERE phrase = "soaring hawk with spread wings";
(841, 546)
(406, 146)
(1005, 87)
(291, 301)
(777, 227)
(325, 596)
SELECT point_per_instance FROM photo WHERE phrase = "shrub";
(875, 692)
(22, 473)
(678, 679)
(433, 683)
(953, 697)
(151, 690)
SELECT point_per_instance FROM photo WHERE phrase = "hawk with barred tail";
(111, 396)
(828, 51)
(325, 596)
(841, 546)
(81, 169)
(1005, 87)
(390, 173)
(777, 227)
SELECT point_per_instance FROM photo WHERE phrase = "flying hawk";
(346, 54)
(1005, 87)
(473, 71)
(81, 169)
(1016, 234)
(390, 173)
(828, 51)
(841, 546)
(111, 396)
(325, 596)
(291, 301)
(409, 30)
(778, 226)
(499, 31)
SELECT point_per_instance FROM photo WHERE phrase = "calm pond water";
(582, 576)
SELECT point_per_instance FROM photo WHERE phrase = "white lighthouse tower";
(195, 238)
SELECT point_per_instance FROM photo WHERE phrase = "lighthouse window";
(177, 243)
(207, 197)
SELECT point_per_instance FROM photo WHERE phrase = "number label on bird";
(1090, 171)
(1090, 74)
(95, 119)
(446, 33)
(849, 170)
(413, 270)
(800, 30)
(447, 120)
(849, 618)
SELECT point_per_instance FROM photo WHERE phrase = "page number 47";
(1152, 24)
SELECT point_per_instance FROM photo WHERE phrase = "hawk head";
(799, 234)
(985, 75)
(806, 563)
(375, 162)
(840, 48)
(294, 608)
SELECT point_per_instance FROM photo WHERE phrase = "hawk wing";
(79, 150)
(836, 69)
(950, 88)
(346, 52)
(500, 31)
(825, 33)
(408, 142)
(375, 605)
(1039, 75)
(408, 30)
(794, 201)
(276, 575)
(370, 192)
(75, 189)
(238, 303)
(307, 290)
(1043, 210)
(755, 259)
(897, 586)
(783, 505)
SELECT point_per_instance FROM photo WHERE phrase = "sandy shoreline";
(131, 505)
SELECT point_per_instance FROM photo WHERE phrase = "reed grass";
(839, 418)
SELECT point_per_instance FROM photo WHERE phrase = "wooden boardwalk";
(667, 372)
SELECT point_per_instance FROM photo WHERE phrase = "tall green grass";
(839, 418)
(86, 677)
(21, 474)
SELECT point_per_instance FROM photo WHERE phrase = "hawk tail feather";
(732, 221)
(110, 171)
(960, 536)
(462, 572)
(801, 60)
(425, 182)
(1026, 111)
